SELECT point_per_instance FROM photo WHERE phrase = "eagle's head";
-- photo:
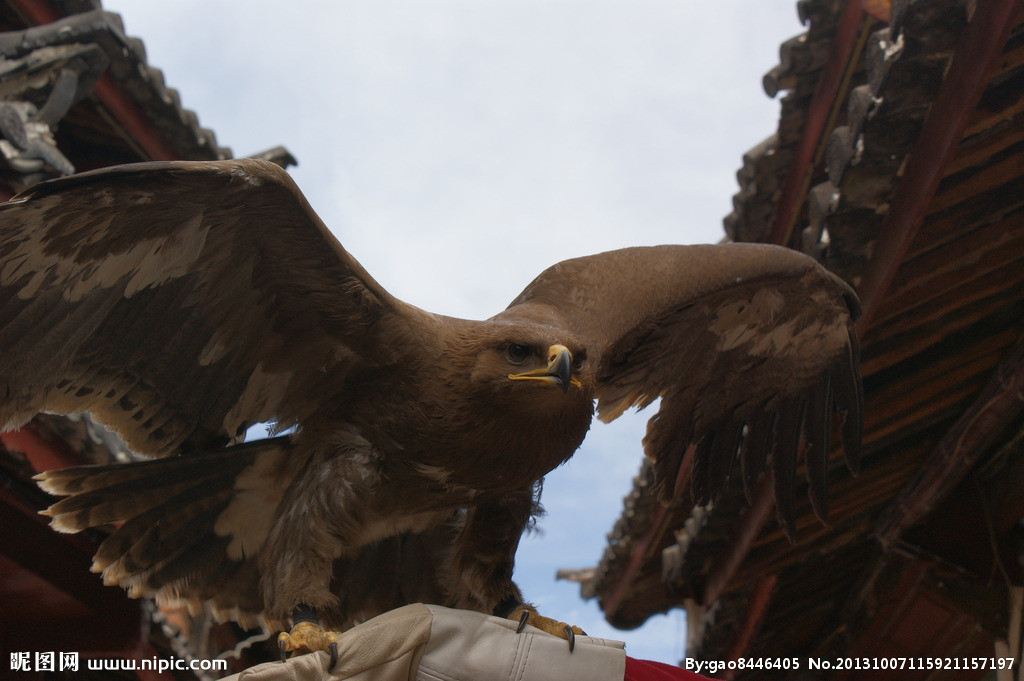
(517, 394)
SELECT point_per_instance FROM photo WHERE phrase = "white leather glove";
(431, 643)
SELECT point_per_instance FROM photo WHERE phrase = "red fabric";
(646, 670)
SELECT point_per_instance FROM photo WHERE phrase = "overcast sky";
(457, 148)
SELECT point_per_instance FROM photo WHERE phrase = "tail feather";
(81, 479)
(198, 519)
(110, 504)
(188, 525)
(145, 539)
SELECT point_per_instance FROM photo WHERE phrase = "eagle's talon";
(308, 636)
(523, 619)
(526, 614)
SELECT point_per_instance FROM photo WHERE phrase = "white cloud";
(459, 147)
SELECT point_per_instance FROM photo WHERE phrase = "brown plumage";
(181, 302)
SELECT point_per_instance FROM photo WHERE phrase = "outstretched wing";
(180, 302)
(749, 347)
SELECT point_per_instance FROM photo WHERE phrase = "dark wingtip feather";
(849, 401)
(150, 531)
(723, 457)
(666, 470)
(700, 477)
(816, 431)
(853, 303)
(788, 425)
(754, 451)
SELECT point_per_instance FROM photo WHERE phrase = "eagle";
(179, 303)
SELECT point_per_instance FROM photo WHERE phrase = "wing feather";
(180, 302)
(818, 425)
(744, 344)
(849, 400)
(757, 443)
(783, 461)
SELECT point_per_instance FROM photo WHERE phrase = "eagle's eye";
(577, 360)
(517, 354)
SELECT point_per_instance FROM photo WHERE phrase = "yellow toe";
(551, 626)
(306, 637)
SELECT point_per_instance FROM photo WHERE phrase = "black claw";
(571, 636)
(284, 653)
(334, 656)
(522, 621)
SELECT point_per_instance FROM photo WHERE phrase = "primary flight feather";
(180, 303)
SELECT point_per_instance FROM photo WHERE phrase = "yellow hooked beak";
(558, 372)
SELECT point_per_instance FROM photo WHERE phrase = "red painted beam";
(63, 562)
(750, 527)
(124, 110)
(41, 567)
(818, 114)
(43, 453)
(758, 603)
(637, 557)
(638, 552)
(37, 12)
(958, 97)
(136, 124)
